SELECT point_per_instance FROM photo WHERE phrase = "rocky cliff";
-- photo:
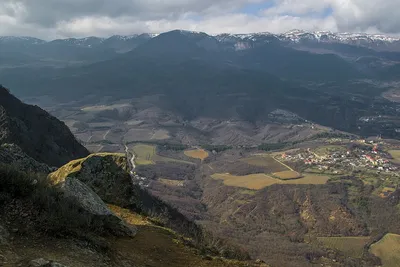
(36, 132)
(107, 175)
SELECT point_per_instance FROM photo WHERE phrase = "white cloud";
(297, 8)
(50, 19)
(363, 15)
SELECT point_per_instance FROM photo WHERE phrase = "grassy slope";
(158, 246)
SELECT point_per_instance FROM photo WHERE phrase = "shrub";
(56, 214)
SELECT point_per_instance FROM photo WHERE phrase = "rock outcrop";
(105, 173)
(91, 203)
(36, 132)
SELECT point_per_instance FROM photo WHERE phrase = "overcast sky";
(49, 19)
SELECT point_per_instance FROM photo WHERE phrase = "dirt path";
(283, 164)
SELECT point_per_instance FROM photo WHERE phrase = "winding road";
(131, 160)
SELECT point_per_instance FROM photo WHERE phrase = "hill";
(36, 132)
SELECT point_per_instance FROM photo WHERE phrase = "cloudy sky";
(49, 19)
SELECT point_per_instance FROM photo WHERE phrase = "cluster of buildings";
(354, 158)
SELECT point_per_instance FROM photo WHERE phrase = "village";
(354, 156)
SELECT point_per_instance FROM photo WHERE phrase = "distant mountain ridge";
(381, 41)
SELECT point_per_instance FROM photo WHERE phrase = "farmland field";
(197, 154)
(265, 161)
(160, 135)
(388, 250)
(396, 155)
(252, 181)
(144, 154)
(259, 181)
(286, 175)
(349, 246)
(138, 134)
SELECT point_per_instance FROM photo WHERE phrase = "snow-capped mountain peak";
(326, 36)
(301, 36)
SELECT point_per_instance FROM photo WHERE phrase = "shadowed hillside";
(39, 134)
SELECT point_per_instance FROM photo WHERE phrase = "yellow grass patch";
(352, 246)
(171, 182)
(285, 175)
(261, 180)
(388, 250)
(197, 154)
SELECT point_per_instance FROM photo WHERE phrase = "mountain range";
(330, 79)
(239, 41)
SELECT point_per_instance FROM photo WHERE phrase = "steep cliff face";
(36, 132)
